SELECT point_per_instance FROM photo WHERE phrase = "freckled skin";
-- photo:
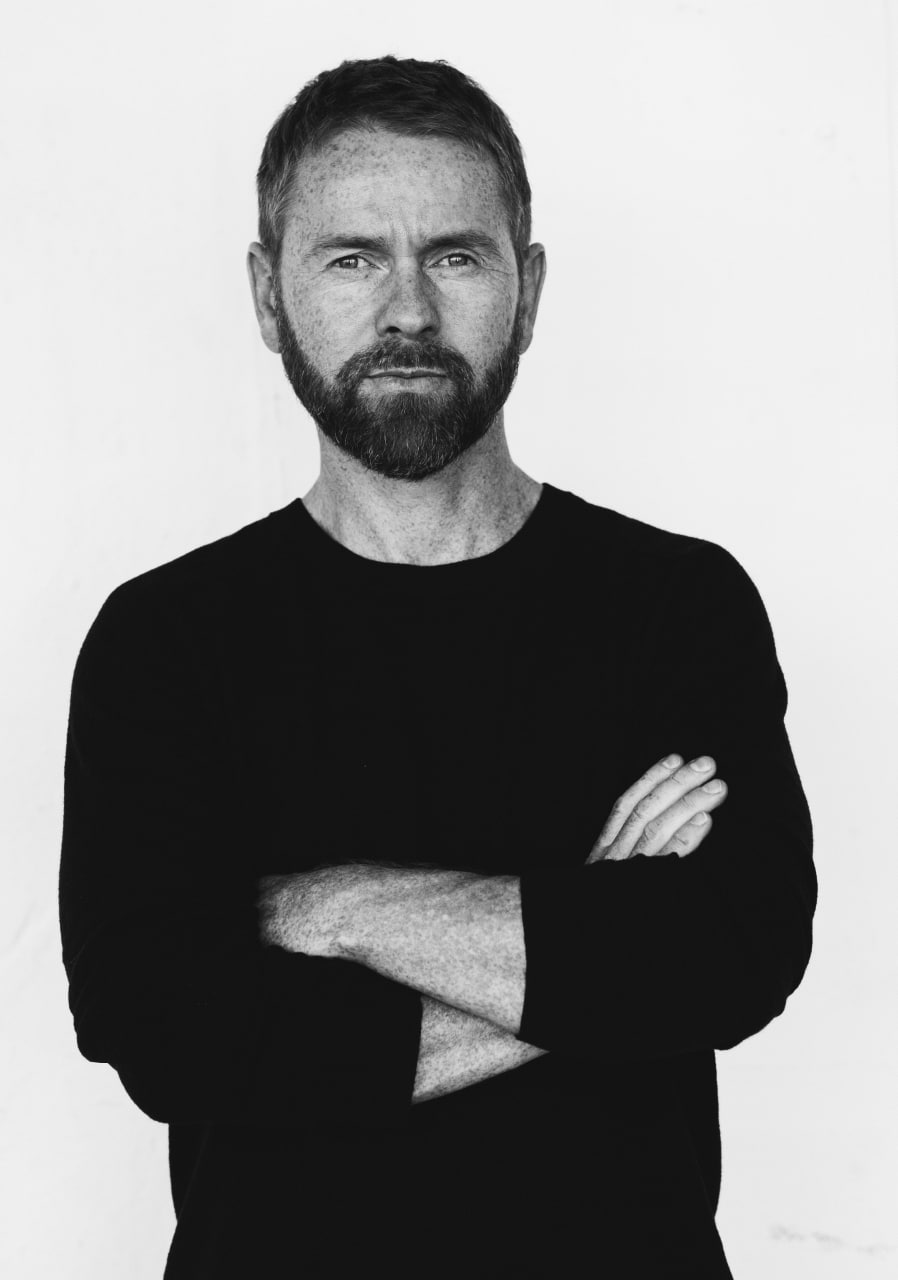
(415, 471)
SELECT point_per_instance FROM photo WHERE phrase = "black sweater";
(274, 701)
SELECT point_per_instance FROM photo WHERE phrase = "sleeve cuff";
(339, 1044)
(592, 936)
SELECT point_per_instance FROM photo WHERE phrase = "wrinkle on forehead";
(378, 174)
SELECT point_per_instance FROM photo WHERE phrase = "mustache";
(384, 356)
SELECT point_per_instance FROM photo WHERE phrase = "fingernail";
(714, 785)
(700, 819)
(702, 763)
(672, 761)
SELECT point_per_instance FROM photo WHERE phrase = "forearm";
(458, 1050)
(455, 936)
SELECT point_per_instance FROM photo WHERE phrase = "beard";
(402, 434)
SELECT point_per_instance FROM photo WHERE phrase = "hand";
(666, 811)
(306, 911)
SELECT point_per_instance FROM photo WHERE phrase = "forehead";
(373, 180)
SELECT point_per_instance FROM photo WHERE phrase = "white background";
(716, 353)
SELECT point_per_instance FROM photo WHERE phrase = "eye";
(354, 258)
(468, 260)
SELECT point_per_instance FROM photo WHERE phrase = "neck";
(467, 510)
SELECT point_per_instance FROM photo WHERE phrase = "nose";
(409, 307)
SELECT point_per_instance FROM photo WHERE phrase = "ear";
(533, 276)
(261, 281)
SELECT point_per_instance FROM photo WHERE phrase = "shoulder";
(203, 589)
(677, 600)
(622, 545)
(646, 581)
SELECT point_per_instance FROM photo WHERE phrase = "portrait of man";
(426, 839)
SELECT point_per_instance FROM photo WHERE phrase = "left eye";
(450, 256)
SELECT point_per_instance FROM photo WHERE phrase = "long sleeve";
(167, 979)
(660, 956)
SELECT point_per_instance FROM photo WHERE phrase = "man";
(368, 885)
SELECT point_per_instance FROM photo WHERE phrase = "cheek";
(483, 327)
(327, 334)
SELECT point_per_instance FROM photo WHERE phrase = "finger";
(624, 804)
(659, 830)
(651, 806)
(689, 836)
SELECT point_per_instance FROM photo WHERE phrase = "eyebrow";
(466, 239)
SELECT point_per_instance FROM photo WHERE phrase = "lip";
(407, 373)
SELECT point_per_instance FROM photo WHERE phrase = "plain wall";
(715, 353)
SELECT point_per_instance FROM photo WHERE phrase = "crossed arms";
(633, 957)
(457, 937)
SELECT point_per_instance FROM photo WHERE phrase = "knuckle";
(652, 830)
(644, 807)
(631, 828)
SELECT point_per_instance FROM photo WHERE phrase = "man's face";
(397, 257)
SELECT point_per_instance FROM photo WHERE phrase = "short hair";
(418, 99)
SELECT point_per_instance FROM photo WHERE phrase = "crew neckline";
(341, 565)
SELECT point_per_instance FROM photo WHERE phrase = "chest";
(474, 738)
